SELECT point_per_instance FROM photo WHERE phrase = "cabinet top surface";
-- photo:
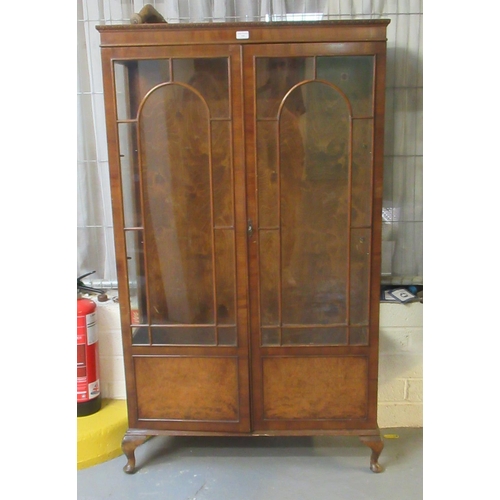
(232, 25)
(243, 32)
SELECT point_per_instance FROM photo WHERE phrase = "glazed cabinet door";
(178, 187)
(311, 124)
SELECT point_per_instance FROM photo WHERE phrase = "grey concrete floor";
(262, 468)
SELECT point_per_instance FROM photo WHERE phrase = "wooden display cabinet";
(246, 175)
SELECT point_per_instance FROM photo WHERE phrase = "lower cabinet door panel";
(315, 388)
(184, 388)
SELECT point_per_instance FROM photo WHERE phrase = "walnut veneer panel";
(315, 387)
(187, 388)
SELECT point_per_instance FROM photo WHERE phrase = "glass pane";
(140, 336)
(360, 276)
(267, 173)
(225, 274)
(122, 91)
(362, 162)
(354, 76)
(326, 138)
(227, 336)
(314, 336)
(174, 138)
(270, 336)
(358, 335)
(129, 174)
(269, 277)
(314, 208)
(222, 173)
(275, 77)
(183, 335)
(209, 76)
(134, 79)
(135, 264)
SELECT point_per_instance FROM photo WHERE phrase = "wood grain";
(315, 387)
(187, 388)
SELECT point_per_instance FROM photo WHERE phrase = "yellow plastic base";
(100, 435)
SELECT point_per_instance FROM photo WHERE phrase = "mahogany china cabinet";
(246, 174)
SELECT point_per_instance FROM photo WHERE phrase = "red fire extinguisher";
(88, 385)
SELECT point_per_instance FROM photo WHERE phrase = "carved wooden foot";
(377, 445)
(129, 444)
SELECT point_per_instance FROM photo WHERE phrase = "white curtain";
(403, 168)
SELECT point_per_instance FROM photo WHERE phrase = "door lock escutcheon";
(250, 228)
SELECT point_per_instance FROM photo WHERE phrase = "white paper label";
(91, 329)
(242, 35)
(94, 389)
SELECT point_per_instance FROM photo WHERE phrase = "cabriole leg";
(129, 444)
(376, 444)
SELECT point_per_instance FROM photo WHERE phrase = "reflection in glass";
(269, 277)
(183, 335)
(312, 200)
(140, 336)
(360, 276)
(227, 335)
(133, 79)
(267, 173)
(175, 144)
(222, 174)
(362, 157)
(270, 336)
(122, 90)
(174, 149)
(314, 336)
(225, 276)
(358, 335)
(354, 76)
(135, 265)
(275, 77)
(129, 174)
(209, 76)
(314, 169)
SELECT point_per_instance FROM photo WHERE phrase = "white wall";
(400, 368)
(400, 397)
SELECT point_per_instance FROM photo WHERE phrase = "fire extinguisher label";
(88, 384)
(94, 389)
(91, 328)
